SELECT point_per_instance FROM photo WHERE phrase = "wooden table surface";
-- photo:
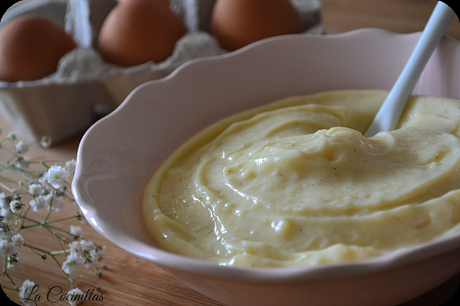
(132, 281)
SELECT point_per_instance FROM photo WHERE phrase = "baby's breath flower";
(75, 296)
(22, 162)
(57, 176)
(35, 189)
(89, 262)
(5, 231)
(22, 147)
(97, 253)
(16, 206)
(8, 248)
(4, 247)
(40, 202)
(4, 200)
(17, 241)
(72, 263)
(25, 291)
(75, 232)
(44, 182)
(60, 192)
(86, 245)
(11, 136)
(6, 215)
(79, 216)
(46, 141)
(70, 166)
(75, 247)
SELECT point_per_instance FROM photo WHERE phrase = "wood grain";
(132, 281)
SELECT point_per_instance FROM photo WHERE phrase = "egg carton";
(84, 87)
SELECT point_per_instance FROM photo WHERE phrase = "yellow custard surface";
(295, 183)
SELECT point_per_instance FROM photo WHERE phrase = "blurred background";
(401, 16)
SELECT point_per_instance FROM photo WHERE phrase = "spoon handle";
(390, 112)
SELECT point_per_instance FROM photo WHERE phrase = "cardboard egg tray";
(84, 87)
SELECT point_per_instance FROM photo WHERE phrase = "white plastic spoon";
(391, 109)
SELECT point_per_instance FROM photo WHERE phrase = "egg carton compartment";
(84, 87)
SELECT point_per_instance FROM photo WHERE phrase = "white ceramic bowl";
(118, 155)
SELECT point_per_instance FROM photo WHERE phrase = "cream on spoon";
(390, 111)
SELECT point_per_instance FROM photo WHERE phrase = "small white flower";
(4, 247)
(46, 141)
(5, 232)
(75, 296)
(22, 162)
(57, 176)
(6, 215)
(86, 246)
(8, 246)
(76, 231)
(70, 166)
(40, 202)
(72, 263)
(26, 291)
(80, 217)
(44, 182)
(89, 262)
(15, 206)
(75, 247)
(35, 189)
(17, 241)
(11, 136)
(22, 147)
(97, 253)
(4, 200)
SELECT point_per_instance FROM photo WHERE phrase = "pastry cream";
(295, 183)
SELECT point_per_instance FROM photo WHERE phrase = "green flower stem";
(5, 273)
(37, 249)
(64, 252)
(4, 266)
(8, 288)
(44, 225)
(59, 264)
(21, 171)
(60, 220)
(4, 186)
(29, 226)
(22, 220)
(49, 213)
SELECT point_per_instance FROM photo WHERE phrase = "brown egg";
(237, 23)
(138, 31)
(31, 47)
